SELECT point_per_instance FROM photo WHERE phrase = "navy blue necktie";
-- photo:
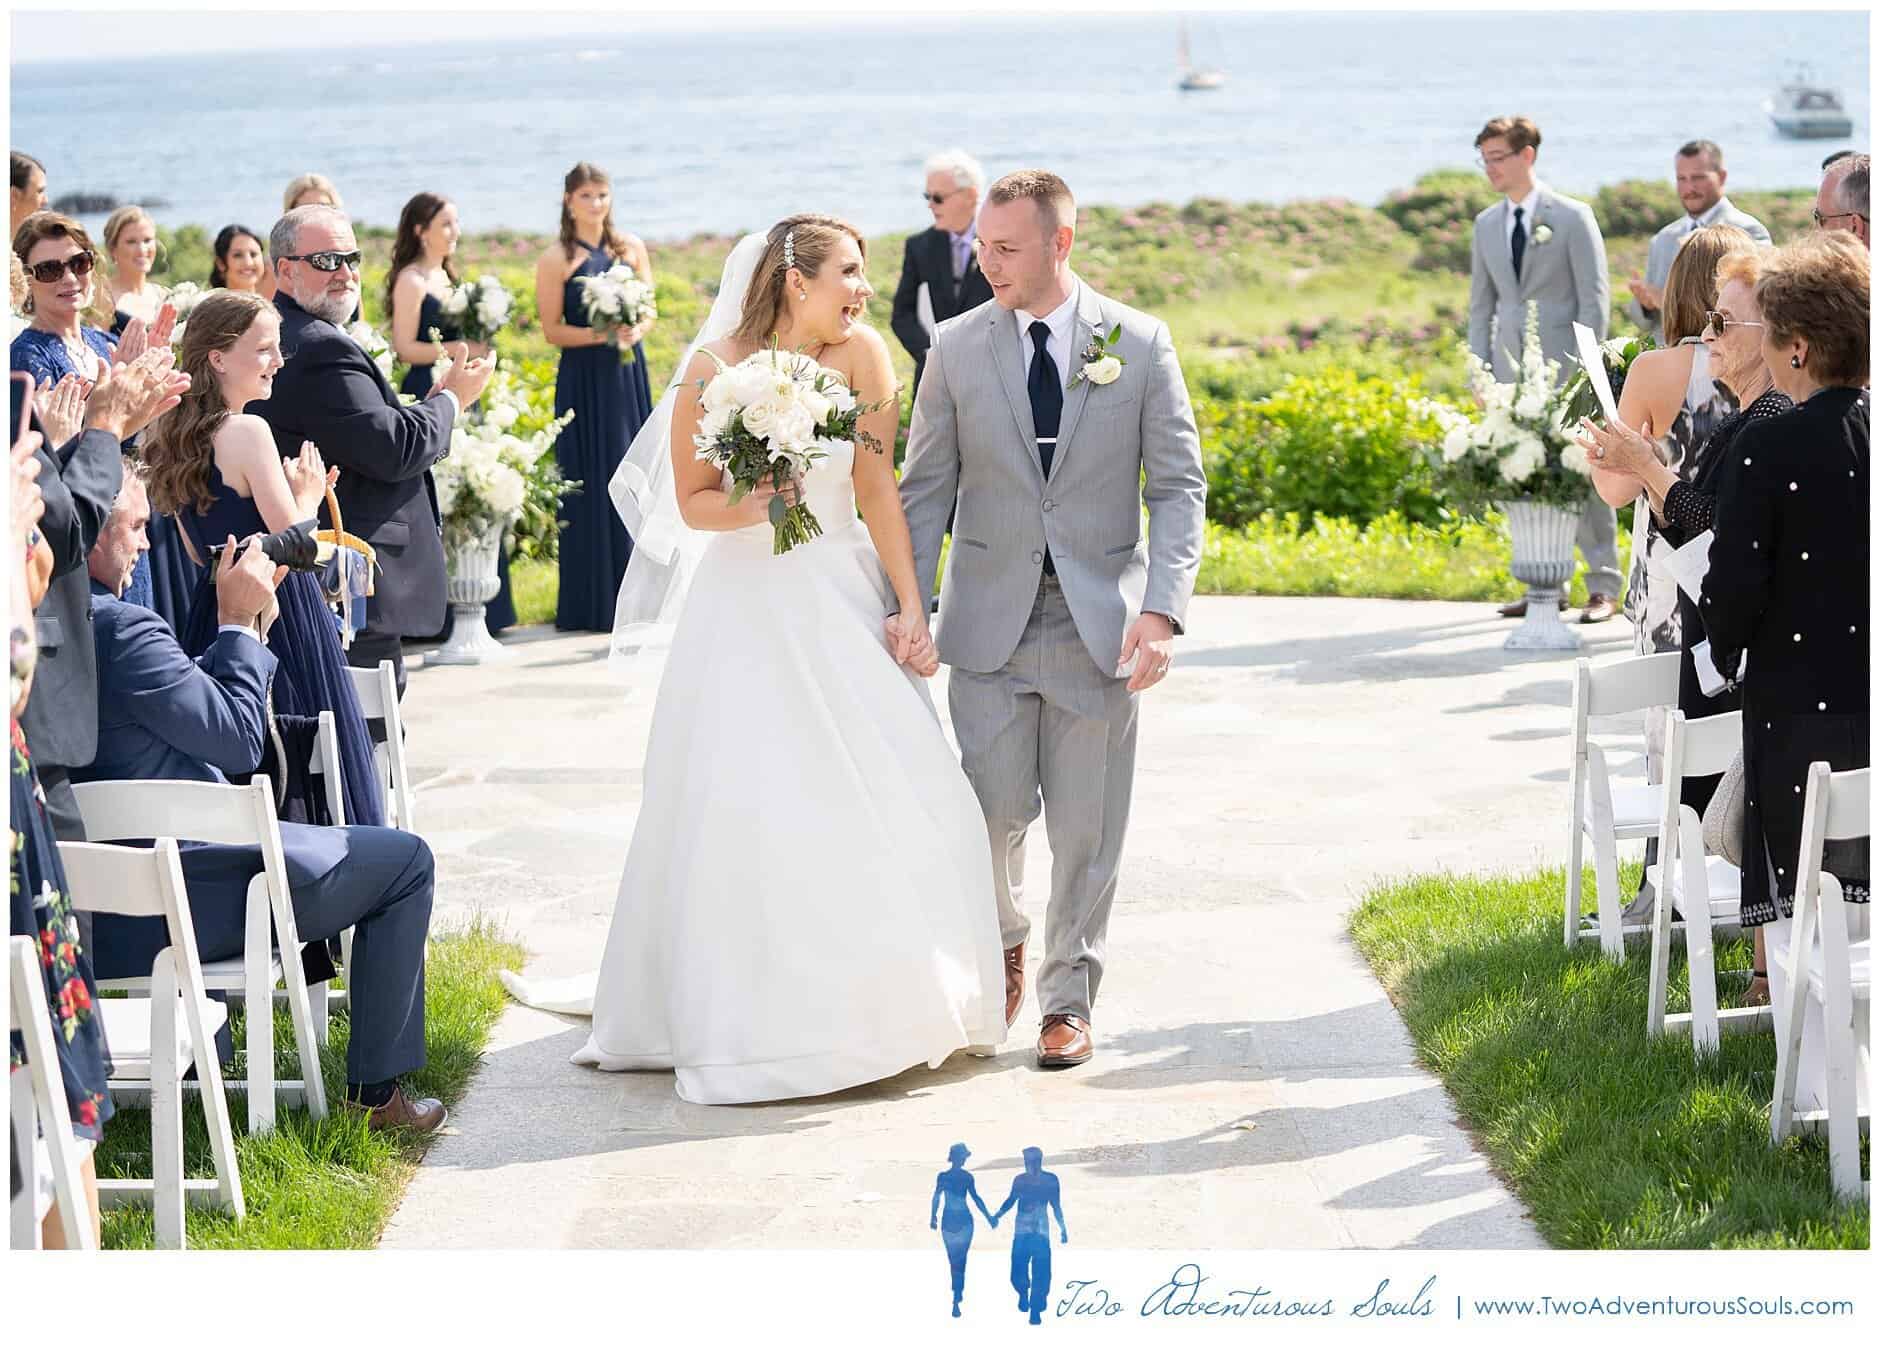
(1047, 394)
(1518, 242)
(1047, 405)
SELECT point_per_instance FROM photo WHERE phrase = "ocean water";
(723, 131)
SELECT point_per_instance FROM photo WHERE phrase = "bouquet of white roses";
(618, 297)
(184, 297)
(771, 417)
(480, 308)
(1518, 446)
(377, 348)
(493, 473)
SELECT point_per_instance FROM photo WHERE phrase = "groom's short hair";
(1051, 194)
(1519, 130)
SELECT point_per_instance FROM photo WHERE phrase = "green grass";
(331, 1184)
(1610, 1139)
(532, 587)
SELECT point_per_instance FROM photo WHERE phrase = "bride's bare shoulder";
(862, 350)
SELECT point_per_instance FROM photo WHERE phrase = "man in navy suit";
(333, 394)
(162, 715)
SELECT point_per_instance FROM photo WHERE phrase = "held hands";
(61, 408)
(308, 479)
(130, 396)
(1619, 448)
(1150, 641)
(910, 643)
(244, 586)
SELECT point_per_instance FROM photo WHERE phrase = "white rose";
(1543, 234)
(721, 393)
(1104, 371)
(760, 418)
(506, 490)
(503, 415)
(751, 383)
(794, 427)
(819, 406)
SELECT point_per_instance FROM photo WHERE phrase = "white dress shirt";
(1061, 321)
(1527, 206)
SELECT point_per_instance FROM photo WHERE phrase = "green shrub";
(1636, 207)
(1787, 213)
(1332, 443)
(1439, 210)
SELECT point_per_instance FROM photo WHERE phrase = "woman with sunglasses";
(59, 260)
(610, 395)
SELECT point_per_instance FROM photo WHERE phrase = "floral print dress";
(42, 909)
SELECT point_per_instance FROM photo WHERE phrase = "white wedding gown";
(807, 903)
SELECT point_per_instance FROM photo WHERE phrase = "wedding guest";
(423, 271)
(310, 190)
(130, 244)
(942, 259)
(28, 190)
(40, 906)
(1700, 175)
(18, 290)
(165, 716)
(1673, 391)
(1788, 581)
(215, 468)
(58, 256)
(1841, 201)
(1834, 156)
(329, 392)
(612, 398)
(1516, 261)
(240, 260)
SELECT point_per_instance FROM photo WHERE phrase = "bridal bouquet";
(377, 348)
(771, 416)
(618, 297)
(480, 308)
(495, 474)
(1518, 446)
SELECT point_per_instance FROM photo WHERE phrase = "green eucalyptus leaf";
(777, 510)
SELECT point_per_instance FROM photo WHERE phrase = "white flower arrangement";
(479, 307)
(492, 472)
(377, 347)
(183, 297)
(1517, 447)
(618, 296)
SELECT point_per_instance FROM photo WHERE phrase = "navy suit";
(162, 715)
(331, 393)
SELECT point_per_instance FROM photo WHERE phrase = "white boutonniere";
(1543, 234)
(1101, 368)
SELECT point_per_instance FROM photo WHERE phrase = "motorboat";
(1802, 108)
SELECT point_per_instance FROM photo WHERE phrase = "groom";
(1054, 616)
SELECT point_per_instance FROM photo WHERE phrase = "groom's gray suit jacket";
(1122, 446)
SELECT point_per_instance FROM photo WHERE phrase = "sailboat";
(1194, 77)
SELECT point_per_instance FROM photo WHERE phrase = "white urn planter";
(472, 584)
(1542, 537)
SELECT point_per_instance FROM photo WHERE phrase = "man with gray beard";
(331, 392)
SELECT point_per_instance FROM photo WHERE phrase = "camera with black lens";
(294, 547)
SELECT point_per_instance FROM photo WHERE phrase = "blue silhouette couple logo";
(1035, 1195)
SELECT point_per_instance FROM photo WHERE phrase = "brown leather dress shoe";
(402, 1112)
(1517, 609)
(1014, 982)
(1599, 608)
(1065, 1041)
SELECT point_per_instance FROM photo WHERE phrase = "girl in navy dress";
(611, 398)
(217, 470)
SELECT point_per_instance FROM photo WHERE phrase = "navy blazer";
(162, 715)
(331, 393)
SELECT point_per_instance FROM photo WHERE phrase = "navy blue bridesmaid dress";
(611, 400)
(312, 674)
(499, 613)
(164, 578)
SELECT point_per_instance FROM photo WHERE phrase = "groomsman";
(941, 259)
(1542, 247)
(1700, 177)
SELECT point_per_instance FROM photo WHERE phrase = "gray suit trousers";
(1050, 727)
(1598, 541)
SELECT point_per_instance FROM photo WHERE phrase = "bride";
(807, 903)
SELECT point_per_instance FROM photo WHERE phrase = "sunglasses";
(51, 271)
(1716, 321)
(1822, 219)
(327, 261)
(938, 199)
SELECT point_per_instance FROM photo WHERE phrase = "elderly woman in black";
(1788, 571)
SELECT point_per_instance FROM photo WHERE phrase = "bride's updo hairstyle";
(803, 243)
(178, 447)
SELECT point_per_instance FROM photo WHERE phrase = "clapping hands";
(1619, 448)
(61, 408)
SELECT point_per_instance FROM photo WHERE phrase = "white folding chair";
(1604, 811)
(149, 1051)
(1828, 961)
(1706, 890)
(42, 1120)
(326, 763)
(229, 814)
(378, 698)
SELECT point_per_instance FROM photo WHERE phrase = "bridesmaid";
(611, 399)
(309, 189)
(423, 269)
(241, 262)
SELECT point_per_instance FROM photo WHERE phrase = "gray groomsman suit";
(1566, 275)
(1038, 708)
(1664, 249)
